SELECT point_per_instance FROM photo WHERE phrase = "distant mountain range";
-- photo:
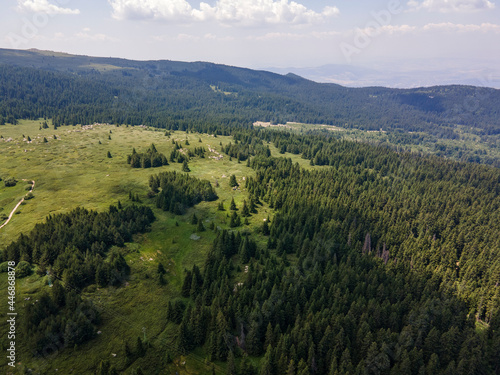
(400, 75)
(84, 89)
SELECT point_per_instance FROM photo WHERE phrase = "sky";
(425, 41)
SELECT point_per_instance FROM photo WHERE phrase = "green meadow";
(73, 169)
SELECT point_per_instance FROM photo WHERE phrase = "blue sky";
(409, 35)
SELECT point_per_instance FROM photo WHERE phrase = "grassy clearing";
(10, 197)
(74, 170)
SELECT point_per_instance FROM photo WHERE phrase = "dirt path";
(17, 206)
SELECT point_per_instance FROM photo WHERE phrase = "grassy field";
(10, 197)
(73, 170)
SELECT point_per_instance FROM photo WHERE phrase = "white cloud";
(43, 6)
(387, 29)
(446, 6)
(454, 27)
(151, 9)
(244, 12)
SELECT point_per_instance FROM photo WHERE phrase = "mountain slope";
(156, 92)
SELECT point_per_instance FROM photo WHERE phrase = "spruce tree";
(128, 353)
(186, 286)
(182, 342)
(185, 166)
(245, 212)
(201, 227)
(268, 362)
(231, 366)
(161, 269)
(232, 181)
(246, 367)
(140, 350)
(232, 206)
(235, 220)
(265, 228)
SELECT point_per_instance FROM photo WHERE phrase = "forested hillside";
(175, 94)
(362, 269)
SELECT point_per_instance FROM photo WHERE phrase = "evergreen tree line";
(337, 312)
(57, 320)
(149, 159)
(361, 269)
(431, 214)
(74, 246)
(180, 99)
(72, 250)
(175, 192)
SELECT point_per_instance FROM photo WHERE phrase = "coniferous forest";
(381, 264)
(252, 251)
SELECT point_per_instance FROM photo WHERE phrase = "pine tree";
(140, 350)
(253, 206)
(102, 275)
(232, 206)
(185, 166)
(161, 269)
(268, 362)
(182, 342)
(232, 181)
(194, 219)
(221, 348)
(246, 367)
(109, 155)
(186, 286)
(269, 337)
(230, 367)
(235, 220)
(168, 357)
(201, 227)
(128, 353)
(302, 368)
(103, 368)
(265, 228)
(245, 212)
(433, 365)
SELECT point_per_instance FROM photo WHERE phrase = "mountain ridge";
(257, 95)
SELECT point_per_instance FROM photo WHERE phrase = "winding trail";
(17, 206)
